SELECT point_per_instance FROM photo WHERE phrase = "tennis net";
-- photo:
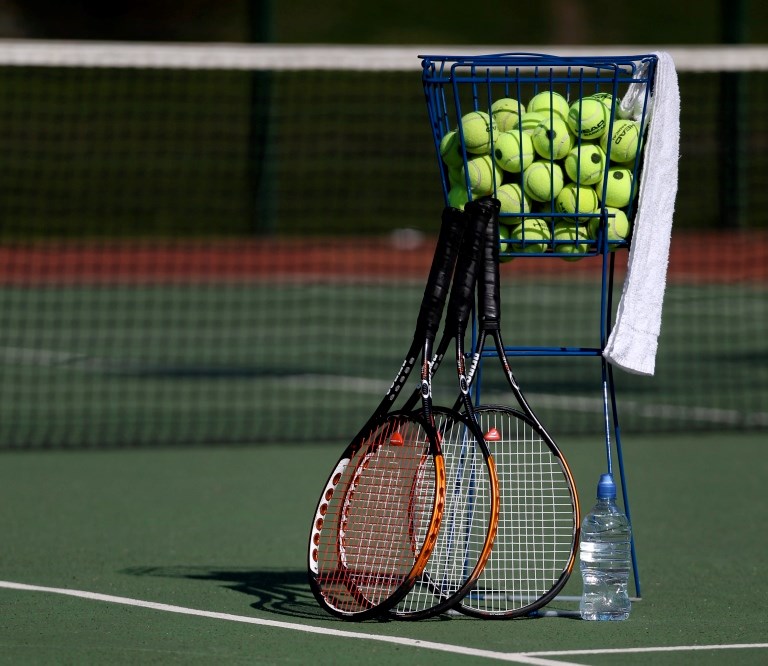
(227, 244)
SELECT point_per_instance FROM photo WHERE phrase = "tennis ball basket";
(557, 140)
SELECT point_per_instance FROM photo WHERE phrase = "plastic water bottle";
(605, 557)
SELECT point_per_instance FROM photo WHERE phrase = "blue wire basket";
(557, 140)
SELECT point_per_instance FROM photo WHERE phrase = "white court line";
(669, 648)
(531, 658)
(587, 405)
(515, 657)
(364, 385)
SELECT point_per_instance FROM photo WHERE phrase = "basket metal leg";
(612, 419)
(622, 476)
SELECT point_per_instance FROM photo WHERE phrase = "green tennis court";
(223, 531)
(140, 550)
(101, 365)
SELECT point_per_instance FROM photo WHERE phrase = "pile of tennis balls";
(547, 156)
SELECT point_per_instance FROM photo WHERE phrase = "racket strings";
(535, 537)
(377, 517)
(463, 534)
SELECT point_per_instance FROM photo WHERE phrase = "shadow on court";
(285, 592)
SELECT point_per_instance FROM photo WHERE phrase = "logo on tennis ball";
(623, 130)
(599, 128)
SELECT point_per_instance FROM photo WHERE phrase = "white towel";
(633, 342)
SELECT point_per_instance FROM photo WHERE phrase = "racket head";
(537, 538)
(378, 517)
(469, 521)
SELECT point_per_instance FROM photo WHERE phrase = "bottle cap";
(606, 487)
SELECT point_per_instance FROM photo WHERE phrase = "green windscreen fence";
(203, 253)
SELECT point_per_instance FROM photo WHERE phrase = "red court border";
(701, 258)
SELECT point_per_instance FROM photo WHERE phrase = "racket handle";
(465, 276)
(488, 295)
(454, 222)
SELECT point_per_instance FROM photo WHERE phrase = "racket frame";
(428, 321)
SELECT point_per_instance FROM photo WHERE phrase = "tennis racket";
(378, 516)
(537, 539)
(469, 521)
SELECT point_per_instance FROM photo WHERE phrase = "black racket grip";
(454, 223)
(488, 294)
(465, 276)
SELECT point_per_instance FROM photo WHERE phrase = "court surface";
(196, 555)
(126, 363)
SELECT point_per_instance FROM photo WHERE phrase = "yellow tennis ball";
(618, 227)
(551, 139)
(450, 150)
(477, 127)
(506, 112)
(512, 199)
(588, 118)
(532, 235)
(543, 180)
(623, 141)
(606, 99)
(530, 119)
(513, 151)
(482, 173)
(548, 100)
(505, 231)
(457, 196)
(585, 164)
(577, 200)
(618, 185)
(544, 210)
(456, 176)
(571, 240)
